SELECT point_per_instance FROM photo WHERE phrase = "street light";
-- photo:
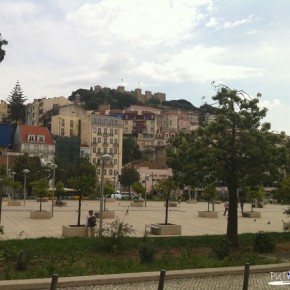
(52, 166)
(115, 173)
(146, 178)
(25, 171)
(103, 159)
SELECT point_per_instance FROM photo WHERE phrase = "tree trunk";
(232, 227)
(79, 209)
(40, 203)
(166, 208)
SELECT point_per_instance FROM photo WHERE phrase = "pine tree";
(16, 101)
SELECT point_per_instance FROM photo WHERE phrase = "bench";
(152, 229)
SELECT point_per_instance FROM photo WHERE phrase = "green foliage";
(2, 51)
(115, 235)
(129, 175)
(264, 243)
(181, 104)
(108, 188)
(131, 150)
(40, 189)
(1, 230)
(222, 248)
(138, 188)
(283, 192)
(147, 251)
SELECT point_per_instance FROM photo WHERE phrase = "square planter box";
(40, 214)
(107, 214)
(165, 230)
(208, 214)
(251, 214)
(74, 231)
(137, 203)
(14, 203)
(286, 226)
(191, 201)
(171, 204)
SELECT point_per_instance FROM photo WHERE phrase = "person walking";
(226, 205)
(91, 224)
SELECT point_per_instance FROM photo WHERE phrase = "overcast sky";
(177, 47)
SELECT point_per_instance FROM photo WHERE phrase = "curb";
(138, 277)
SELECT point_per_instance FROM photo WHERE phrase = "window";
(98, 171)
(99, 131)
(105, 140)
(94, 160)
(94, 149)
(71, 123)
(115, 161)
(111, 132)
(115, 151)
(94, 140)
(116, 131)
(115, 141)
(105, 131)
(111, 151)
(62, 132)
(62, 122)
(99, 150)
(105, 150)
(105, 171)
(110, 172)
(111, 140)
(99, 140)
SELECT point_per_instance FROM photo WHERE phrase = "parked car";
(122, 195)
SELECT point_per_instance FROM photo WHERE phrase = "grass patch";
(40, 258)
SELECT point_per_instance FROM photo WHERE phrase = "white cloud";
(269, 104)
(212, 23)
(197, 64)
(229, 24)
(147, 22)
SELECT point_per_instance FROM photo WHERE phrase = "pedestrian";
(91, 224)
(226, 205)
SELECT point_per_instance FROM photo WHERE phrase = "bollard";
(246, 276)
(161, 279)
(54, 281)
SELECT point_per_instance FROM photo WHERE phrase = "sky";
(177, 47)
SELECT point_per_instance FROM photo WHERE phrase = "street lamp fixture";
(12, 174)
(25, 171)
(103, 158)
(52, 166)
(115, 173)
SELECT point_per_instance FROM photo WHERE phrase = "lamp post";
(146, 178)
(103, 159)
(1, 195)
(52, 166)
(115, 173)
(25, 171)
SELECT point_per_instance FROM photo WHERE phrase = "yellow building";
(3, 112)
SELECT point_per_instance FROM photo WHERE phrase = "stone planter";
(171, 204)
(251, 214)
(286, 226)
(74, 231)
(191, 201)
(107, 214)
(208, 214)
(14, 203)
(137, 203)
(165, 230)
(45, 199)
(40, 214)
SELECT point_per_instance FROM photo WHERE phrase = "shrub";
(147, 251)
(222, 248)
(114, 235)
(264, 243)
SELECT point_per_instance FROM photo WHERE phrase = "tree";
(131, 150)
(59, 190)
(84, 180)
(236, 149)
(210, 193)
(40, 189)
(2, 51)
(166, 188)
(16, 101)
(129, 175)
(138, 188)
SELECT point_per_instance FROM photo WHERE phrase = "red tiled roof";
(35, 130)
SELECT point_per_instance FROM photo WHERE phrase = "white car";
(116, 195)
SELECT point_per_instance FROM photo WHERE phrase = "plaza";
(18, 224)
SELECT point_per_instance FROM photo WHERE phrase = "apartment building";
(3, 112)
(36, 111)
(103, 134)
